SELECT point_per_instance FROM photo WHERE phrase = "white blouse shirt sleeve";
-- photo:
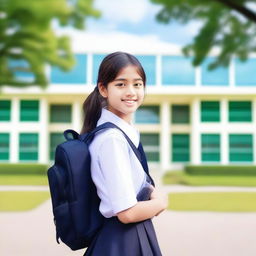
(114, 161)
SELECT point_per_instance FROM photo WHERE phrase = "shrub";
(239, 170)
(23, 168)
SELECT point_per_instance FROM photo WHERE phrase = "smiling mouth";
(129, 101)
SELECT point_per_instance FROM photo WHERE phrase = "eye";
(138, 84)
(120, 84)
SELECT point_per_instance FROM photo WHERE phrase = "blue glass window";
(148, 62)
(218, 76)
(19, 74)
(97, 59)
(245, 72)
(177, 70)
(77, 75)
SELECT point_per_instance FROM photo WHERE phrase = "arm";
(145, 209)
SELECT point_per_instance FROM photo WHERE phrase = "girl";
(116, 171)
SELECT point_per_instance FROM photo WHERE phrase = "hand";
(161, 197)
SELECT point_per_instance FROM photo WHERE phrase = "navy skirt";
(118, 239)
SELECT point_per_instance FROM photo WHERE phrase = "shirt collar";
(129, 129)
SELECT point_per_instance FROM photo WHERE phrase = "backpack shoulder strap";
(88, 138)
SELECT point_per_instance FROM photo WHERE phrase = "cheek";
(142, 94)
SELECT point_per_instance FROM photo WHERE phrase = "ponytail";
(92, 110)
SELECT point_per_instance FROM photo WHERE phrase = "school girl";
(116, 171)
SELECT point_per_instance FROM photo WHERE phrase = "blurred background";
(197, 123)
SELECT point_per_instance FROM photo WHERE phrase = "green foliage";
(243, 170)
(21, 200)
(213, 201)
(226, 24)
(26, 34)
(23, 169)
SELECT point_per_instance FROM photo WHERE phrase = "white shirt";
(116, 171)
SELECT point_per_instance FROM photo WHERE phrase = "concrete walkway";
(179, 233)
(164, 188)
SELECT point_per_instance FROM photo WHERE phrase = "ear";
(103, 90)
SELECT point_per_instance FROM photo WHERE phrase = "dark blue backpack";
(74, 196)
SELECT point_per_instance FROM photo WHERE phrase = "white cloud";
(83, 41)
(132, 11)
(192, 28)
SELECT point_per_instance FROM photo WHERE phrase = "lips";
(129, 100)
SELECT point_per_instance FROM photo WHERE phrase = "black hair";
(109, 68)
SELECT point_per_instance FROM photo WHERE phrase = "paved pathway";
(164, 188)
(179, 233)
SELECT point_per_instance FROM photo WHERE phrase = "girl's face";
(125, 94)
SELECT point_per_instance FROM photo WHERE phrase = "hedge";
(239, 170)
(26, 168)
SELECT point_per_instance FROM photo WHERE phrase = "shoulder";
(107, 136)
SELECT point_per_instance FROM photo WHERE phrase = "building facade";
(189, 116)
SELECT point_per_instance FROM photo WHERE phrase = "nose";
(130, 90)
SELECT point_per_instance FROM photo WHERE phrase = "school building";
(189, 116)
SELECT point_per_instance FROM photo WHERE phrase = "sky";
(138, 18)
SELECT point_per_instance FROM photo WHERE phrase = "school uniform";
(119, 178)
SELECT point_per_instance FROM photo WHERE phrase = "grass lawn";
(23, 179)
(180, 177)
(21, 200)
(213, 201)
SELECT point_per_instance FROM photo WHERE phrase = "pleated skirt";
(118, 239)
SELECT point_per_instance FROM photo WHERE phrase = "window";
(77, 75)
(150, 142)
(210, 147)
(5, 110)
(55, 139)
(240, 148)
(21, 70)
(147, 114)
(4, 146)
(29, 110)
(148, 62)
(97, 59)
(28, 146)
(210, 111)
(177, 70)
(180, 114)
(240, 111)
(218, 76)
(60, 113)
(180, 148)
(245, 72)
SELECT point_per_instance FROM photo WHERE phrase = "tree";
(28, 42)
(229, 25)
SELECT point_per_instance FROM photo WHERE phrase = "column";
(165, 137)
(254, 129)
(14, 133)
(224, 132)
(77, 116)
(195, 140)
(43, 147)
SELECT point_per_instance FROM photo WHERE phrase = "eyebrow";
(123, 79)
